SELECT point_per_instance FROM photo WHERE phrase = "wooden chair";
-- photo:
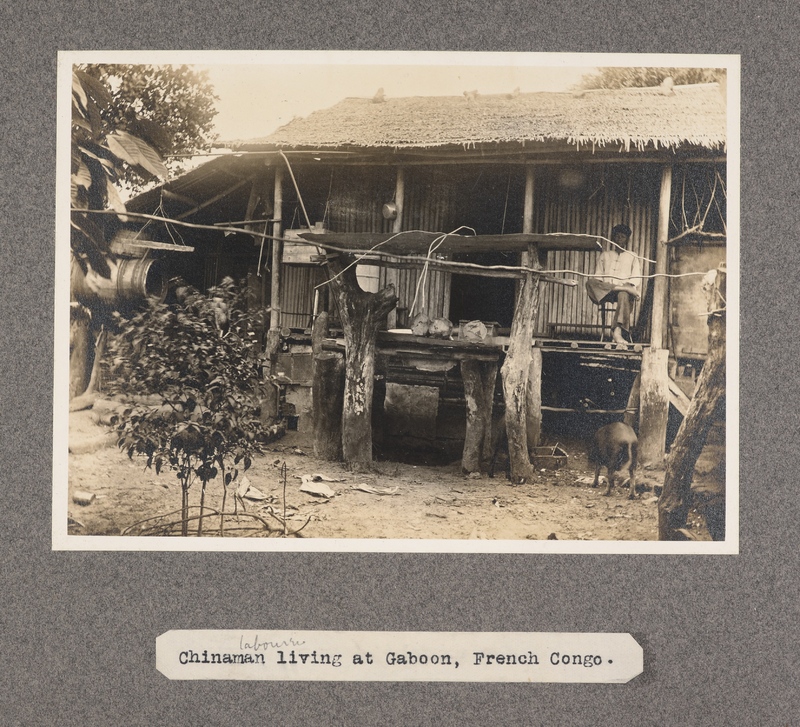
(608, 308)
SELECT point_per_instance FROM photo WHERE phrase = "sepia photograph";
(397, 301)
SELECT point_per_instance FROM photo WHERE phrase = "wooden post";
(361, 314)
(527, 212)
(706, 406)
(533, 415)
(660, 288)
(327, 401)
(273, 335)
(653, 407)
(319, 331)
(533, 394)
(631, 417)
(654, 384)
(515, 371)
(479, 382)
(397, 226)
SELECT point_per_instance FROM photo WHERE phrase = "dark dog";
(615, 447)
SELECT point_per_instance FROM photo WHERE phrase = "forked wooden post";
(361, 314)
(515, 372)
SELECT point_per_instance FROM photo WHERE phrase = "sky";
(257, 98)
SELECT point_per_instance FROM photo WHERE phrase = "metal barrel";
(133, 280)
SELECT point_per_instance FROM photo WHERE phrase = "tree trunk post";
(653, 406)
(515, 371)
(533, 398)
(361, 315)
(328, 401)
(479, 382)
(706, 406)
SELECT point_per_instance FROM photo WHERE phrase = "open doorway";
(490, 201)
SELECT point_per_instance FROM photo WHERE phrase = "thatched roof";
(635, 118)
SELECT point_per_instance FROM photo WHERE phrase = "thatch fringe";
(633, 118)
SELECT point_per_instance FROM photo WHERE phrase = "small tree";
(198, 357)
(171, 107)
(101, 155)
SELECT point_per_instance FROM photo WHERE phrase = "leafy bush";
(192, 376)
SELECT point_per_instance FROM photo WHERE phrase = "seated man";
(618, 277)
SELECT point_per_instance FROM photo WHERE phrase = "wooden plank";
(130, 245)
(678, 399)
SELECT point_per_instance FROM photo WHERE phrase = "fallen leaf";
(244, 485)
(320, 489)
(377, 490)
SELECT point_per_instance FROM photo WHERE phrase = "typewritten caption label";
(399, 656)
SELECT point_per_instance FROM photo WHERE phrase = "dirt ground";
(397, 500)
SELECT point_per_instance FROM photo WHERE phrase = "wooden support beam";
(327, 395)
(653, 406)
(361, 314)
(215, 198)
(273, 335)
(533, 386)
(515, 371)
(479, 382)
(183, 199)
(533, 414)
(658, 329)
(397, 225)
(706, 407)
(678, 399)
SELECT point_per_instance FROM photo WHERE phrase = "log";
(361, 315)
(707, 405)
(515, 379)
(327, 391)
(80, 345)
(479, 381)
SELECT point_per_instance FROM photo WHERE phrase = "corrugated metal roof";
(634, 118)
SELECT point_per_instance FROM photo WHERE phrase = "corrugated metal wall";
(591, 200)
(428, 205)
(588, 199)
